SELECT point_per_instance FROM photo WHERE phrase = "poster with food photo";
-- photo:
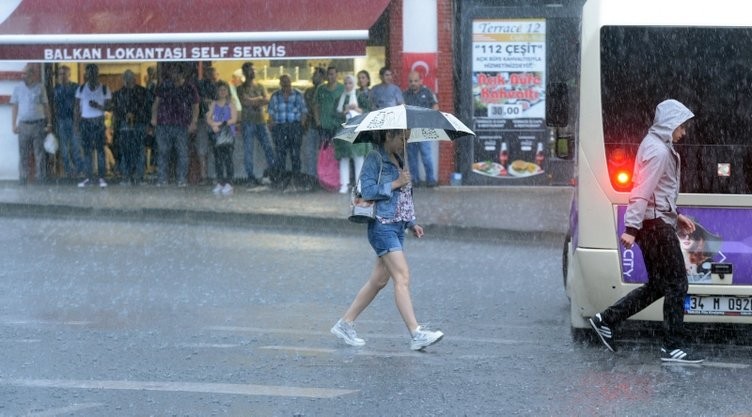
(508, 89)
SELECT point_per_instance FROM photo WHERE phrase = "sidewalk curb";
(287, 221)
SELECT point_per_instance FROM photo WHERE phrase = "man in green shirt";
(312, 141)
(325, 110)
(253, 98)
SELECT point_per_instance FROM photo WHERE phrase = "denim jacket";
(380, 190)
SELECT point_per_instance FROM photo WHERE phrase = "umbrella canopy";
(424, 124)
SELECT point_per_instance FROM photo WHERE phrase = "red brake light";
(620, 164)
(623, 178)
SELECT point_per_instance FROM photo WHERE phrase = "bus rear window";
(707, 69)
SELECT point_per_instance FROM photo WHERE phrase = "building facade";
(475, 75)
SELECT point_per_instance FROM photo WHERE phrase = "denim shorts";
(385, 238)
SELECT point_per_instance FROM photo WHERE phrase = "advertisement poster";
(508, 87)
(718, 239)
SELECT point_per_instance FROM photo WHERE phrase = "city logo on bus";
(627, 262)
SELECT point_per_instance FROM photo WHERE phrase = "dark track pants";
(667, 277)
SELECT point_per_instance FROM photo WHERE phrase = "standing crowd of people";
(125, 135)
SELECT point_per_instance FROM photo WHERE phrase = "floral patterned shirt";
(405, 209)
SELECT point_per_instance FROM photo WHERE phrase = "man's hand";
(685, 224)
(627, 240)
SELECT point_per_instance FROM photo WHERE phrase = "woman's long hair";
(368, 77)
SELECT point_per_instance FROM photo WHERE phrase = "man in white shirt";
(92, 98)
(31, 122)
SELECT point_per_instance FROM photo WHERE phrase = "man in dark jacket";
(130, 118)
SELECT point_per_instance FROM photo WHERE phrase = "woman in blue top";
(385, 180)
(222, 113)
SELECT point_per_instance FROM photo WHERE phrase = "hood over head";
(669, 115)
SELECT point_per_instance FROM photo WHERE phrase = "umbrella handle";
(404, 154)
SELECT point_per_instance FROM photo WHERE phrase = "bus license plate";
(718, 305)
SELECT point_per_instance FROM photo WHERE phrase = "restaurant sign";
(183, 51)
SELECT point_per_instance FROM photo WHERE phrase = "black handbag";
(225, 137)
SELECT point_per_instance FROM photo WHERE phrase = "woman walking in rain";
(386, 180)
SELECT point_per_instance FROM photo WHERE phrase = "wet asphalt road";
(141, 319)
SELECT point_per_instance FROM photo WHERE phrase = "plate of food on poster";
(491, 169)
(520, 168)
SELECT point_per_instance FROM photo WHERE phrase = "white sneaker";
(102, 183)
(423, 338)
(346, 332)
(344, 189)
(84, 183)
(217, 188)
(227, 189)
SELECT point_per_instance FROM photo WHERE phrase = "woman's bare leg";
(397, 268)
(378, 280)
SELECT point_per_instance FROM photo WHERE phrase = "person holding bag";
(395, 212)
(328, 122)
(221, 118)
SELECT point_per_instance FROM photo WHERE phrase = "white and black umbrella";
(424, 124)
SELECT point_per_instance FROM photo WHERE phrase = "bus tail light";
(620, 165)
(623, 178)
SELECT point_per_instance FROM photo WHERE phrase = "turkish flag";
(425, 63)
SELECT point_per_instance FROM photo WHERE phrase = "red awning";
(178, 30)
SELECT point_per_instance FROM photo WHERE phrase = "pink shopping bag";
(327, 167)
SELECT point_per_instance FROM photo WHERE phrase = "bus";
(635, 54)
